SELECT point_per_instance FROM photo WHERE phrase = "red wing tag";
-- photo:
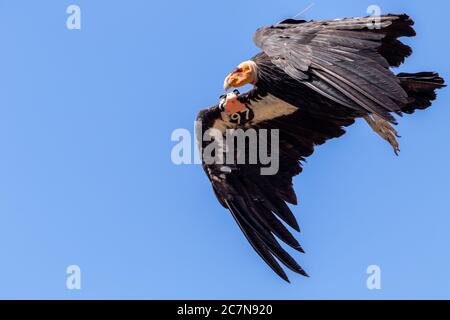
(233, 105)
(238, 112)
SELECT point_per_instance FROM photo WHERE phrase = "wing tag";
(239, 113)
(242, 117)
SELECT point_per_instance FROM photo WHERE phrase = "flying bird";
(311, 80)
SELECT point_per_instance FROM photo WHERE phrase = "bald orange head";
(245, 73)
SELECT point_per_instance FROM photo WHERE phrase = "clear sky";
(86, 176)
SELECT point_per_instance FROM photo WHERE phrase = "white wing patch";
(270, 107)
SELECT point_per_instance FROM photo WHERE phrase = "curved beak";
(226, 84)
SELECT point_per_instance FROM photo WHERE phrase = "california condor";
(311, 80)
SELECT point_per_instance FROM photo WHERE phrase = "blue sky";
(86, 177)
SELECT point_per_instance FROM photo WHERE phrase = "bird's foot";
(385, 130)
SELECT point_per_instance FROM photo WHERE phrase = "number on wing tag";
(243, 116)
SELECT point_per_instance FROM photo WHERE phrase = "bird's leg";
(385, 130)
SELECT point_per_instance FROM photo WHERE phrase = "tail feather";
(421, 88)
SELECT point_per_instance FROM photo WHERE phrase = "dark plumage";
(318, 77)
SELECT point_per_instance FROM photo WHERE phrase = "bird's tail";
(421, 88)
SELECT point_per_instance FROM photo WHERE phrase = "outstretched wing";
(351, 56)
(259, 203)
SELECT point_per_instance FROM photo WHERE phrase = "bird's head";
(245, 73)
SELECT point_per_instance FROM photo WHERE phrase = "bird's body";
(311, 80)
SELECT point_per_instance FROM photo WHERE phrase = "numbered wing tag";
(238, 112)
(242, 117)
